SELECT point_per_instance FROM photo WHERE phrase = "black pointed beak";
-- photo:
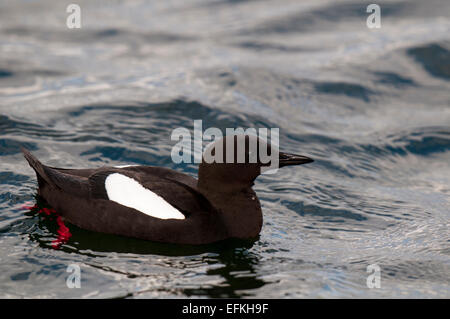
(287, 159)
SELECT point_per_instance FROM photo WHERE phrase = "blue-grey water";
(371, 106)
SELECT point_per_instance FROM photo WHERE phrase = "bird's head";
(235, 161)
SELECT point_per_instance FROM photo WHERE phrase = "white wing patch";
(128, 192)
(124, 166)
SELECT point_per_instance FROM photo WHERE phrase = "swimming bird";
(163, 205)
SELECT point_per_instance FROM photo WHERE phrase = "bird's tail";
(38, 167)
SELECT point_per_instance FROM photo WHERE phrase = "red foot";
(63, 232)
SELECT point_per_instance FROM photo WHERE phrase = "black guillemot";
(160, 204)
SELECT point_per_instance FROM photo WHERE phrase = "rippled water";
(372, 107)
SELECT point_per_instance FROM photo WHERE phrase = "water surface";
(372, 107)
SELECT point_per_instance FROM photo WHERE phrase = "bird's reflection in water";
(238, 271)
